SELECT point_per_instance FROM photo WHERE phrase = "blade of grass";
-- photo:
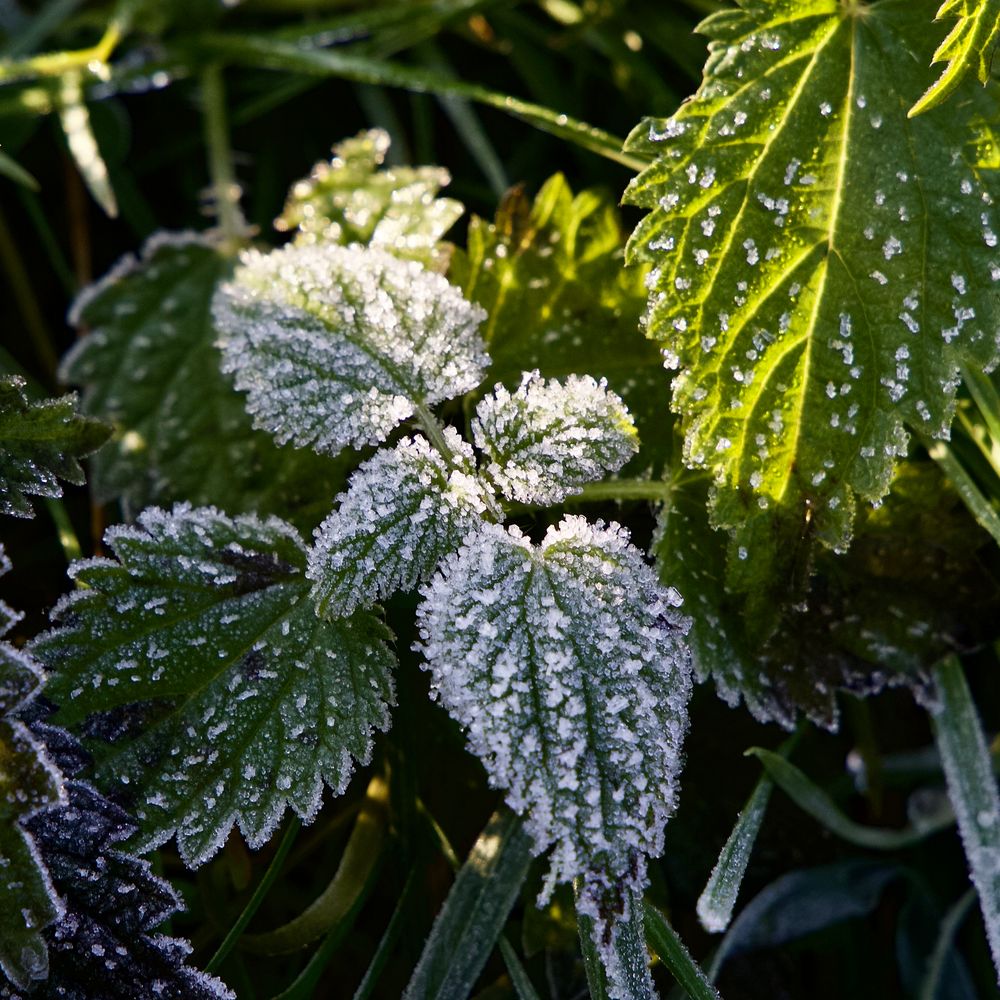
(814, 801)
(929, 989)
(75, 121)
(972, 789)
(980, 508)
(473, 915)
(10, 168)
(273, 870)
(264, 52)
(670, 950)
(388, 940)
(523, 986)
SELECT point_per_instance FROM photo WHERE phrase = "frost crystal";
(229, 699)
(567, 665)
(403, 511)
(546, 440)
(335, 345)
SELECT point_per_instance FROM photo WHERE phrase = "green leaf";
(227, 698)
(349, 200)
(40, 443)
(971, 44)
(29, 781)
(467, 927)
(547, 440)
(671, 951)
(566, 663)
(405, 509)
(881, 614)
(972, 789)
(335, 345)
(74, 117)
(9, 167)
(550, 276)
(824, 265)
(149, 365)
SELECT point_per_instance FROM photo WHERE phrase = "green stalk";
(225, 189)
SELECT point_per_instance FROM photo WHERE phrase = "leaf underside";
(882, 614)
(150, 366)
(823, 265)
(349, 200)
(40, 444)
(549, 274)
(566, 663)
(335, 346)
(199, 653)
(969, 46)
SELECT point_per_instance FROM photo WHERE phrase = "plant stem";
(435, 432)
(67, 535)
(624, 489)
(225, 191)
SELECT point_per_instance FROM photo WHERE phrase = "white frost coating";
(336, 345)
(253, 705)
(567, 665)
(546, 440)
(404, 510)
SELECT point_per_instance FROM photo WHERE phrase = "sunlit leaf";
(228, 700)
(823, 265)
(335, 346)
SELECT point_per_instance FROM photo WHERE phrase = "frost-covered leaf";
(350, 200)
(550, 274)
(546, 440)
(28, 781)
(823, 266)
(40, 443)
(150, 366)
(971, 44)
(567, 665)
(918, 582)
(227, 698)
(335, 345)
(104, 946)
(405, 508)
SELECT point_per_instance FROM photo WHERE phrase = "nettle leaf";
(104, 946)
(971, 44)
(823, 266)
(228, 698)
(405, 509)
(40, 443)
(335, 345)
(550, 274)
(920, 581)
(149, 365)
(566, 663)
(547, 440)
(349, 200)
(29, 781)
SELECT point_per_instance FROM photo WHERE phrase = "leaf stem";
(435, 432)
(225, 191)
(623, 489)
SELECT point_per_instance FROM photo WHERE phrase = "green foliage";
(814, 294)
(970, 45)
(40, 443)
(349, 200)
(227, 697)
(150, 367)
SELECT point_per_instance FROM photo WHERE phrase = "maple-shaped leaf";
(546, 440)
(29, 781)
(405, 508)
(104, 945)
(550, 275)
(149, 365)
(335, 346)
(350, 200)
(971, 44)
(918, 582)
(226, 697)
(566, 664)
(823, 265)
(40, 443)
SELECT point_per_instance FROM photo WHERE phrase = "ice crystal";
(546, 440)
(200, 648)
(349, 200)
(567, 665)
(335, 345)
(405, 509)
